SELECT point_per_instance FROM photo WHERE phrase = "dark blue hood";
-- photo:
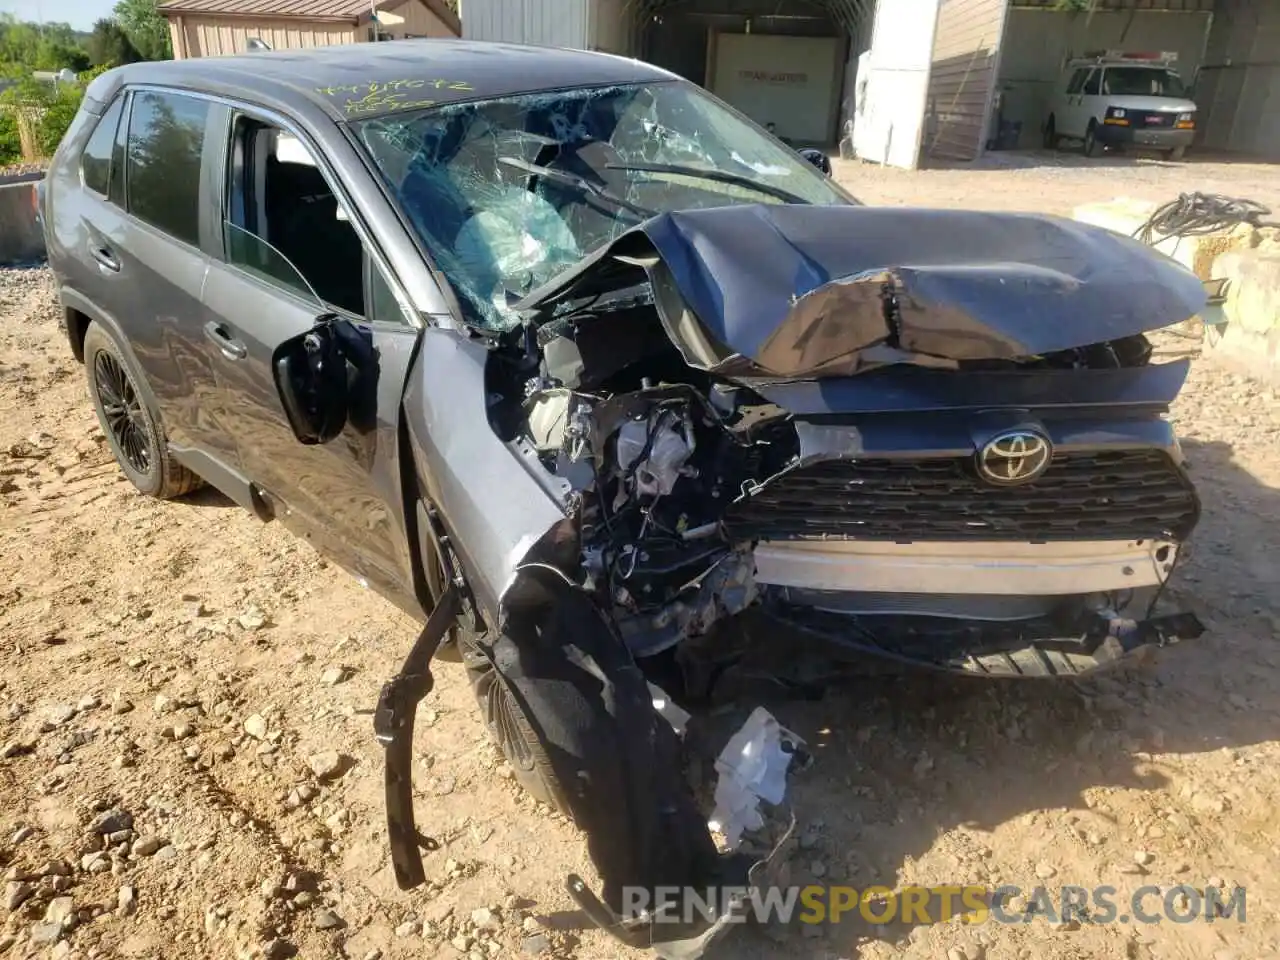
(803, 291)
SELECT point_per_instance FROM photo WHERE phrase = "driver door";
(289, 255)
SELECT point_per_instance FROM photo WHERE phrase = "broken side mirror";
(818, 158)
(315, 372)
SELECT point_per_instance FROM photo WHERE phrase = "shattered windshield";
(507, 193)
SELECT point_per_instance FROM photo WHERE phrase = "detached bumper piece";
(670, 937)
(1032, 648)
(393, 725)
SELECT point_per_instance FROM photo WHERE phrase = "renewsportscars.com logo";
(938, 904)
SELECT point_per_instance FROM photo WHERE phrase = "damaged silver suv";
(590, 373)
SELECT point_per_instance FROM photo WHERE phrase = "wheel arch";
(79, 312)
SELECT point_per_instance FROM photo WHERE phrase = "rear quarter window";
(95, 161)
(166, 141)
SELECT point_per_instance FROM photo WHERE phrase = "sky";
(79, 13)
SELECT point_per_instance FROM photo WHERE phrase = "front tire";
(509, 725)
(1091, 146)
(1176, 154)
(133, 431)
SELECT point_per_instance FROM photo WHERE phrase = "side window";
(95, 162)
(1093, 86)
(1077, 80)
(166, 140)
(116, 187)
(383, 306)
(284, 222)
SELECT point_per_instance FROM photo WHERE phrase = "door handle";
(105, 258)
(231, 348)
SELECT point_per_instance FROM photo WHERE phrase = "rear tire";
(1050, 135)
(1091, 147)
(133, 431)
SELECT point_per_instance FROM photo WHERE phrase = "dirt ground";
(187, 767)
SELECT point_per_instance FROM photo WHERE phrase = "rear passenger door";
(148, 240)
(289, 252)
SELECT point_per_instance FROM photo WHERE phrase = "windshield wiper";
(721, 176)
(576, 180)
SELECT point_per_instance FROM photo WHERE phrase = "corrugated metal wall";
(966, 45)
(1238, 90)
(196, 36)
(556, 23)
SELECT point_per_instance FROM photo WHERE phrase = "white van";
(1115, 99)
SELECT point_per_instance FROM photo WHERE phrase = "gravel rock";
(44, 934)
(87, 702)
(60, 910)
(333, 676)
(16, 893)
(61, 714)
(461, 943)
(23, 832)
(277, 949)
(97, 862)
(485, 919)
(409, 928)
(256, 726)
(535, 945)
(126, 901)
(111, 821)
(121, 705)
(252, 619)
(146, 846)
(328, 920)
(1144, 858)
(326, 765)
(1046, 870)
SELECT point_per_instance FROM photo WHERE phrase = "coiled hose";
(1197, 214)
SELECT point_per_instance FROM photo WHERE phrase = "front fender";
(492, 507)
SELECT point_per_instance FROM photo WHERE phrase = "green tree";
(109, 45)
(146, 28)
(10, 141)
(25, 47)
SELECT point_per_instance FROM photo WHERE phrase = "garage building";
(207, 28)
(903, 81)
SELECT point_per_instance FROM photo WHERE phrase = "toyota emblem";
(1017, 456)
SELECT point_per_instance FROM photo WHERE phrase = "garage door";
(791, 82)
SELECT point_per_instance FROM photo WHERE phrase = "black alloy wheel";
(123, 412)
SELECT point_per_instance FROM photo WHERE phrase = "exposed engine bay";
(702, 481)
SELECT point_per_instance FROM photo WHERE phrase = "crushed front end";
(928, 436)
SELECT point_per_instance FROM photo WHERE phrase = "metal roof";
(345, 10)
(360, 80)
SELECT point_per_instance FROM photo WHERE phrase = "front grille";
(1156, 118)
(1112, 495)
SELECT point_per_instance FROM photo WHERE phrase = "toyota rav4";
(573, 361)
